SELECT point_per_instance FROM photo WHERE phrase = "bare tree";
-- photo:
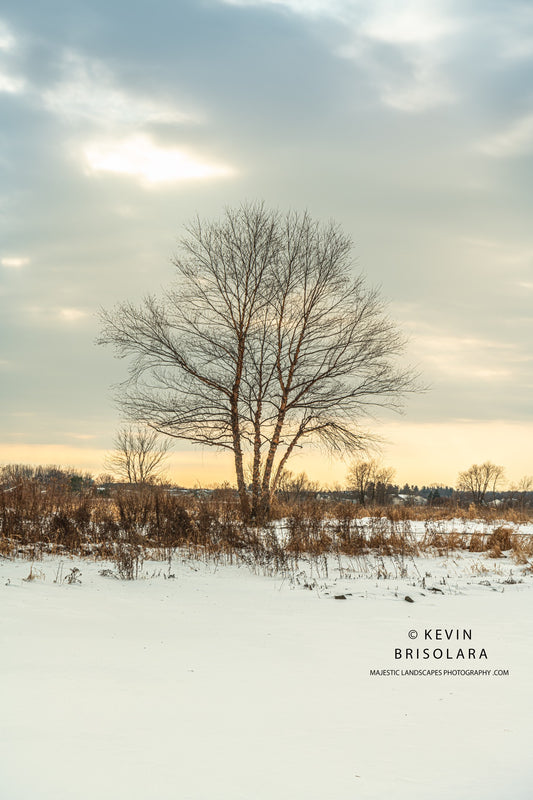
(478, 479)
(264, 342)
(370, 479)
(382, 488)
(360, 476)
(291, 486)
(522, 489)
(139, 454)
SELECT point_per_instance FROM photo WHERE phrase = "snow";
(222, 684)
(421, 528)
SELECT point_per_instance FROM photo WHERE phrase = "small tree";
(295, 487)
(266, 341)
(478, 479)
(382, 485)
(522, 490)
(370, 479)
(359, 478)
(139, 454)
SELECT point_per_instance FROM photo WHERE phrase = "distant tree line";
(13, 474)
(138, 461)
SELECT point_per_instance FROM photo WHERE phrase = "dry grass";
(132, 525)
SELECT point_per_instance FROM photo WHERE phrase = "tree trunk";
(264, 506)
(256, 469)
(239, 465)
(241, 485)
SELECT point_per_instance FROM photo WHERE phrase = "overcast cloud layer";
(413, 128)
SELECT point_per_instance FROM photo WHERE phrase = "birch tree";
(265, 341)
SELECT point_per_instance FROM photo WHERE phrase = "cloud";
(399, 46)
(44, 315)
(88, 96)
(516, 32)
(425, 88)
(408, 76)
(7, 39)
(467, 358)
(408, 23)
(513, 141)
(14, 262)
(11, 84)
(307, 7)
(88, 93)
(71, 314)
(500, 254)
(518, 48)
(140, 158)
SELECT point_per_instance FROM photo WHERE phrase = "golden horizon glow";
(420, 453)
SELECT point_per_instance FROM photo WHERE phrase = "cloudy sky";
(410, 123)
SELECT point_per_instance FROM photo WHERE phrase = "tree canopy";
(266, 340)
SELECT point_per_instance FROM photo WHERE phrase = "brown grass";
(132, 525)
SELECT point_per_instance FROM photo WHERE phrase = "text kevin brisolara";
(460, 650)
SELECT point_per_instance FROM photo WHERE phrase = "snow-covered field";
(221, 684)
(419, 529)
